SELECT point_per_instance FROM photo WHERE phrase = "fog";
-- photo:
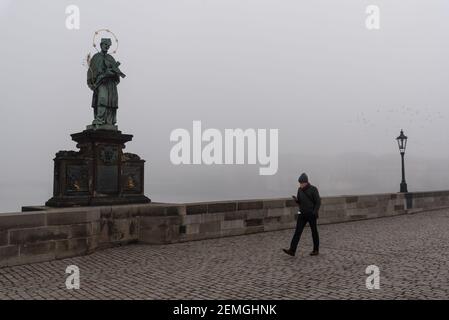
(337, 92)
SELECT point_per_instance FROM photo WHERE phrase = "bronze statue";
(103, 77)
(100, 173)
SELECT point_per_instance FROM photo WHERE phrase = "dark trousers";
(300, 224)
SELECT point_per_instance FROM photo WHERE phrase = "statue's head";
(105, 44)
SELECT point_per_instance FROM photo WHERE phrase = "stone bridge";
(404, 235)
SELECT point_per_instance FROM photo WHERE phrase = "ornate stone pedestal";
(99, 173)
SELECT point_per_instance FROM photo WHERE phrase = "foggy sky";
(338, 93)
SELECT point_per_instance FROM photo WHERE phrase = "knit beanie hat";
(303, 178)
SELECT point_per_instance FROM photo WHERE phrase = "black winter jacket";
(309, 200)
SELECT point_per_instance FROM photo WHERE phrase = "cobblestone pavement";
(411, 251)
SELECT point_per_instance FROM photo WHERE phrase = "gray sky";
(337, 92)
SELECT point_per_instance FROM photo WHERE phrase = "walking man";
(309, 201)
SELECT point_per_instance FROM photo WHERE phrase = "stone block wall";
(43, 236)
(46, 233)
(220, 219)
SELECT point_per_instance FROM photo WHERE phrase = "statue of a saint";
(103, 77)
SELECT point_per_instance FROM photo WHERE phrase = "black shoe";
(314, 253)
(289, 252)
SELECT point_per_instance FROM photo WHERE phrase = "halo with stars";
(96, 35)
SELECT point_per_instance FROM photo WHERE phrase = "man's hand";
(294, 198)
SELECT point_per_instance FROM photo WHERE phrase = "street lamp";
(402, 143)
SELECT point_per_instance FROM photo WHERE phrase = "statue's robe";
(103, 81)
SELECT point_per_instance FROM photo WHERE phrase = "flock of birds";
(403, 116)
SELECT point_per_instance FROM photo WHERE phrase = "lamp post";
(402, 143)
